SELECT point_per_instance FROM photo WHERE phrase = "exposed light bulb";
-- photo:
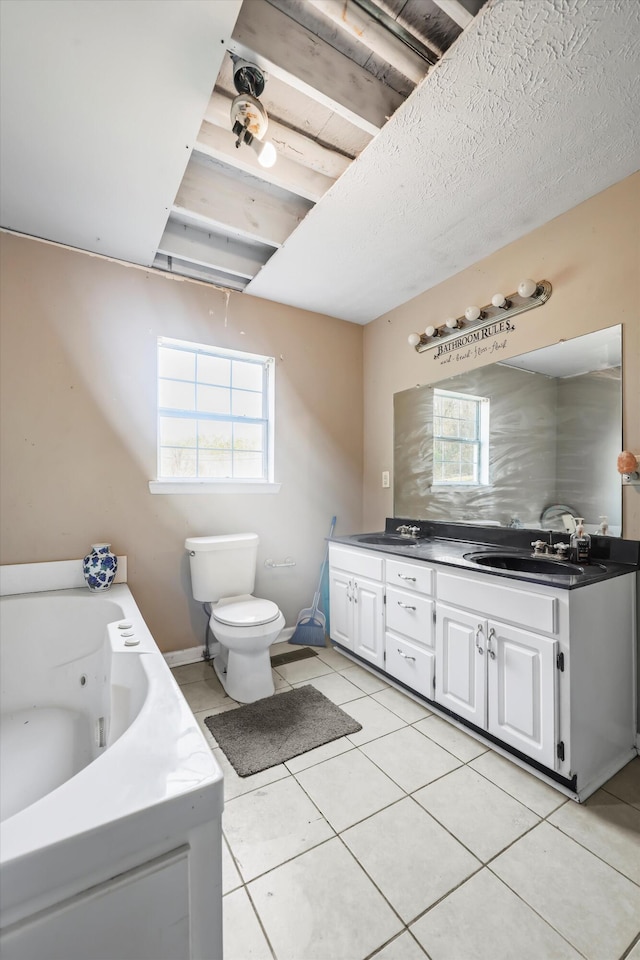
(414, 339)
(527, 288)
(268, 155)
(432, 331)
(473, 313)
(451, 323)
(265, 152)
(499, 300)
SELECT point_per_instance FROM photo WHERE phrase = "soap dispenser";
(581, 542)
(603, 529)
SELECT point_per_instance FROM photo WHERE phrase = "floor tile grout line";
(593, 853)
(262, 927)
(537, 913)
(634, 942)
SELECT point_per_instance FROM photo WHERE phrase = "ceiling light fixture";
(530, 294)
(249, 120)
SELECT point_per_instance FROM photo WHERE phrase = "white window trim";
(193, 486)
(197, 485)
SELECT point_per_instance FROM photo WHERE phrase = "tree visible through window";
(215, 413)
(460, 438)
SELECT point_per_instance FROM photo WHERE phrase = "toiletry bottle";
(603, 529)
(581, 542)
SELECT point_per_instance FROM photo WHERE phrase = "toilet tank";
(222, 566)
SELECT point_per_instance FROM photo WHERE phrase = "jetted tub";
(111, 801)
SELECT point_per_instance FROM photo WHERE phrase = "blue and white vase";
(99, 567)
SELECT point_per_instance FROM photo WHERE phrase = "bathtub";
(111, 800)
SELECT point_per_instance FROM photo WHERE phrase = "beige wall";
(78, 350)
(591, 255)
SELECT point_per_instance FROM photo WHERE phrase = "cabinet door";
(368, 620)
(340, 599)
(522, 690)
(460, 663)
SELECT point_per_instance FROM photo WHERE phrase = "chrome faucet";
(406, 531)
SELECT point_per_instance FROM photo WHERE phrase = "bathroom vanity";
(541, 665)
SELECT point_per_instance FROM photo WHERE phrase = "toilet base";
(245, 677)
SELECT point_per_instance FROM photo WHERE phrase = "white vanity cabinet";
(356, 595)
(410, 622)
(546, 673)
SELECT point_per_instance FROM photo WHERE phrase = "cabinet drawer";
(362, 563)
(410, 576)
(527, 608)
(411, 664)
(410, 614)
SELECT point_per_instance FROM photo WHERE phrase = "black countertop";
(447, 544)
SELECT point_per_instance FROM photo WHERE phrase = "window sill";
(211, 486)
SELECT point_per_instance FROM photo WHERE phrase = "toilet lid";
(247, 613)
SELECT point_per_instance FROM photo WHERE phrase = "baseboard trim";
(178, 658)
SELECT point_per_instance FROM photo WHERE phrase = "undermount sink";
(390, 539)
(522, 564)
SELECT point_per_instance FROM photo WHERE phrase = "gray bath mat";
(268, 732)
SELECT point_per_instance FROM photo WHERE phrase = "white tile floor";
(410, 839)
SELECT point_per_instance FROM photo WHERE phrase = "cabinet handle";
(491, 636)
(478, 635)
(403, 576)
(405, 656)
(405, 606)
(355, 591)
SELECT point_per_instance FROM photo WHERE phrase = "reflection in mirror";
(527, 442)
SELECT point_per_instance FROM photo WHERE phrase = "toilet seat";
(246, 613)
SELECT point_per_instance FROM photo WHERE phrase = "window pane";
(214, 400)
(247, 376)
(179, 364)
(216, 463)
(247, 436)
(213, 435)
(247, 404)
(214, 370)
(175, 395)
(176, 432)
(177, 462)
(247, 465)
(449, 428)
(468, 429)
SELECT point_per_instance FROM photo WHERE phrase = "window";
(460, 438)
(215, 414)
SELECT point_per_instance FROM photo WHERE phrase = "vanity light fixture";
(249, 120)
(530, 294)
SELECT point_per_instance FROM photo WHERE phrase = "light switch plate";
(385, 478)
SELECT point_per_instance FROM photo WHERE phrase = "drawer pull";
(403, 576)
(405, 606)
(406, 656)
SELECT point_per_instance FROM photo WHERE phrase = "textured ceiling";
(533, 110)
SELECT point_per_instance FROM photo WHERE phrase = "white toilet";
(223, 571)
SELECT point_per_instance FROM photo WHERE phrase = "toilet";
(223, 571)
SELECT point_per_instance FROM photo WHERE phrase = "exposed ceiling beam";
(427, 49)
(195, 271)
(455, 10)
(292, 53)
(237, 205)
(210, 249)
(214, 141)
(289, 143)
(373, 35)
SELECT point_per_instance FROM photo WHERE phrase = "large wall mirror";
(527, 442)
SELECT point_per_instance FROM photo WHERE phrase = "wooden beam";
(236, 205)
(295, 55)
(214, 141)
(455, 10)
(373, 35)
(209, 249)
(289, 143)
(185, 268)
